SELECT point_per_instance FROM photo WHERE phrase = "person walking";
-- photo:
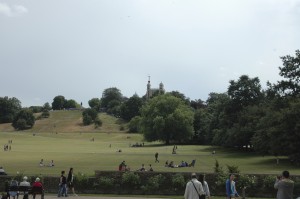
(70, 181)
(284, 186)
(204, 185)
(156, 157)
(194, 189)
(62, 191)
(230, 187)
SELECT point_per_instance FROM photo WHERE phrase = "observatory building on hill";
(152, 91)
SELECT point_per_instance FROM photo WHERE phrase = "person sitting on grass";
(142, 168)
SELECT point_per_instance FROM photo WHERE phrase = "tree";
(36, 109)
(70, 104)
(215, 116)
(279, 131)
(131, 107)
(89, 116)
(45, 110)
(109, 95)
(237, 129)
(134, 124)
(47, 106)
(197, 104)
(58, 102)
(23, 120)
(9, 107)
(244, 92)
(180, 96)
(167, 118)
(291, 72)
(95, 103)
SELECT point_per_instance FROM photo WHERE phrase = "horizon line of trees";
(245, 116)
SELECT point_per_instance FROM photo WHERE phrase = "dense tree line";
(246, 116)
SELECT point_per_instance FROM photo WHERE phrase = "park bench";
(26, 191)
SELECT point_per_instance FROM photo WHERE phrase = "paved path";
(96, 197)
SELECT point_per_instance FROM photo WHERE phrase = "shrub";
(130, 179)
(97, 122)
(218, 169)
(268, 182)
(246, 181)
(106, 183)
(178, 181)
(82, 180)
(87, 120)
(122, 128)
(45, 114)
(155, 182)
(233, 169)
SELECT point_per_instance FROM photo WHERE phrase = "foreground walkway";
(95, 197)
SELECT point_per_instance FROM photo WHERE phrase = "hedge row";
(159, 183)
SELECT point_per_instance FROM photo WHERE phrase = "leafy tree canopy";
(131, 107)
(58, 102)
(109, 95)
(9, 107)
(95, 103)
(167, 118)
(291, 74)
(23, 120)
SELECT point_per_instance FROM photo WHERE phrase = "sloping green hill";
(70, 121)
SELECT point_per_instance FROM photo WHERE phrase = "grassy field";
(62, 138)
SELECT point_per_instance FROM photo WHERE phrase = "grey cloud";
(12, 10)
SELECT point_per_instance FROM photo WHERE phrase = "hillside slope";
(70, 121)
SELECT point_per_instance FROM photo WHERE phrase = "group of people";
(51, 164)
(198, 189)
(173, 165)
(14, 193)
(144, 169)
(66, 183)
(7, 147)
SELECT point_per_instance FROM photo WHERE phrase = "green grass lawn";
(78, 151)
(64, 139)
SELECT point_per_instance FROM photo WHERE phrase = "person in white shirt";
(194, 189)
(24, 182)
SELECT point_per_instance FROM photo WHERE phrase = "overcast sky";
(78, 48)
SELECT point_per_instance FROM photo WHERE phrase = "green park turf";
(61, 138)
